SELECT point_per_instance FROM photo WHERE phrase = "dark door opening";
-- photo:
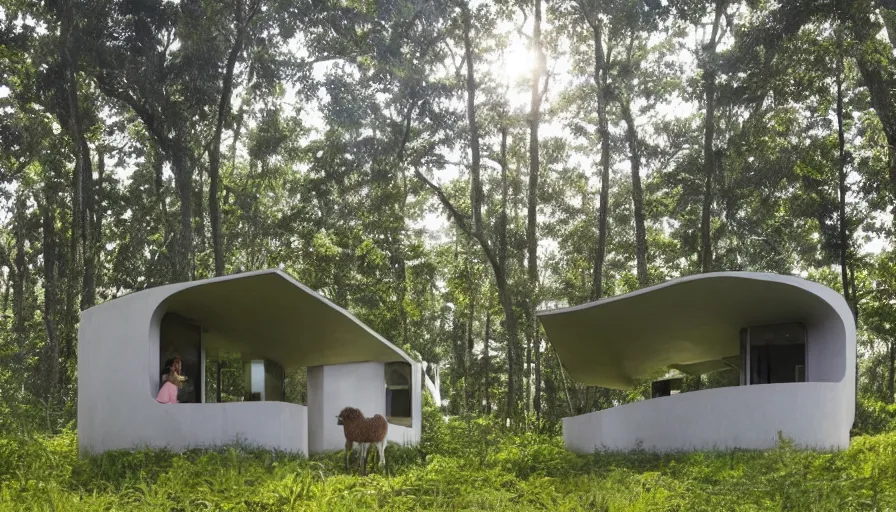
(181, 337)
(777, 354)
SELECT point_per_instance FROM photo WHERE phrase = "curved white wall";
(118, 378)
(748, 417)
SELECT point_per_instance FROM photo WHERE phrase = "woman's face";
(176, 365)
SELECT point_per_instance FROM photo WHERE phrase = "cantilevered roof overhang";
(692, 324)
(269, 314)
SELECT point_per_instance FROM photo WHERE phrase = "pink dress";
(167, 394)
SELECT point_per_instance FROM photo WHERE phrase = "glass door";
(776, 353)
(180, 337)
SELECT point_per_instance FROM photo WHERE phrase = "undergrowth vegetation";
(473, 465)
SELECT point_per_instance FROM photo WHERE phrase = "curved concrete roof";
(687, 323)
(271, 315)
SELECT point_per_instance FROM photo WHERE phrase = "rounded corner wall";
(817, 413)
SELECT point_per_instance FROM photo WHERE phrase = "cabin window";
(180, 337)
(666, 387)
(398, 393)
(218, 371)
(776, 354)
(236, 377)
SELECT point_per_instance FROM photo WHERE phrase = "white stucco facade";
(267, 313)
(691, 322)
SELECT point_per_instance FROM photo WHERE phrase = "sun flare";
(516, 62)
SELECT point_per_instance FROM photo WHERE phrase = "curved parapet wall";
(693, 320)
(118, 362)
(747, 417)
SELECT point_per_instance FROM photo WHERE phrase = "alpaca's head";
(348, 414)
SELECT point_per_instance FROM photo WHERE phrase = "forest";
(443, 169)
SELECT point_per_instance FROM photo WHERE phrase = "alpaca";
(364, 431)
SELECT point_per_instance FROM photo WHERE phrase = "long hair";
(171, 375)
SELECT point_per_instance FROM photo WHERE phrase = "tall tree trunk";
(468, 355)
(214, 154)
(505, 190)
(67, 278)
(601, 78)
(82, 180)
(200, 237)
(397, 242)
(841, 187)
(183, 178)
(476, 195)
(536, 347)
(710, 66)
(502, 249)
(457, 403)
(631, 136)
(170, 240)
(20, 277)
(53, 382)
(97, 206)
(527, 379)
(532, 221)
(891, 373)
(240, 116)
(475, 231)
(89, 244)
(476, 199)
(7, 285)
(486, 362)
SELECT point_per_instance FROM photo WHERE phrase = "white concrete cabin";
(790, 343)
(274, 323)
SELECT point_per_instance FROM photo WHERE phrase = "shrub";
(873, 417)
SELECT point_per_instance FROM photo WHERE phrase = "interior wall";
(826, 350)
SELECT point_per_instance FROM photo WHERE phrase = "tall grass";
(460, 466)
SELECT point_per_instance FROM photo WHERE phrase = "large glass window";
(776, 353)
(179, 337)
(236, 377)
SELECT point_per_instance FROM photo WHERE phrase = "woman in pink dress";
(173, 381)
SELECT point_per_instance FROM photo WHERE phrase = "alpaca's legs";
(348, 453)
(363, 461)
(381, 448)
